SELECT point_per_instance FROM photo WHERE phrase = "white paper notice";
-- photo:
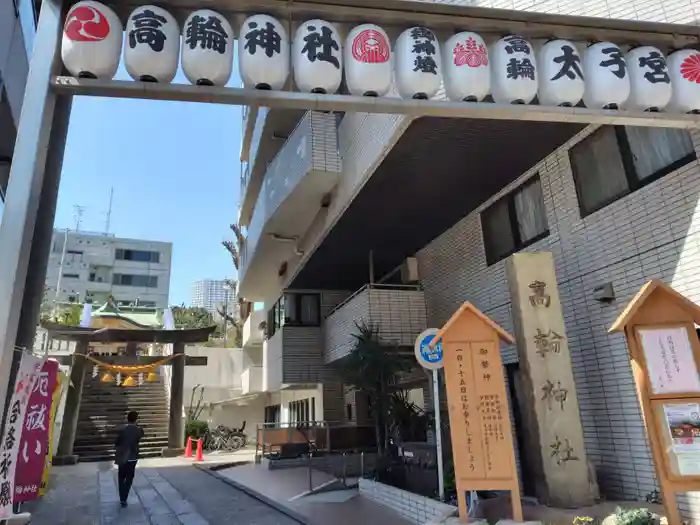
(689, 464)
(670, 361)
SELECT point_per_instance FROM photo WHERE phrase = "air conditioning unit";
(409, 271)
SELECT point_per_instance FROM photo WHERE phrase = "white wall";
(221, 377)
(233, 416)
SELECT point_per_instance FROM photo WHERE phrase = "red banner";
(34, 443)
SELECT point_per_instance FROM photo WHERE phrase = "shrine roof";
(119, 335)
(144, 320)
(468, 308)
(655, 285)
(139, 316)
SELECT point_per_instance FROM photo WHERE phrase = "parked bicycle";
(226, 439)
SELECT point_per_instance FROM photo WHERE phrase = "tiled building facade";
(651, 233)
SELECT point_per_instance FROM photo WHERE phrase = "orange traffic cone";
(188, 448)
(200, 456)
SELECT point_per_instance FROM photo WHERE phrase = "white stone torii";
(27, 225)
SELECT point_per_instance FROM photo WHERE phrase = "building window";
(143, 281)
(515, 221)
(299, 411)
(272, 414)
(137, 255)
(302, 309)
(616, 161)
(294, 309)
(71, 276)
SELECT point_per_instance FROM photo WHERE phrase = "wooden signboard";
(664, 351)
(482, 437)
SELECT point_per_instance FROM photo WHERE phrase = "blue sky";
(175, 171)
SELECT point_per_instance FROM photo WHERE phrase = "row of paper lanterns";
(509, 69)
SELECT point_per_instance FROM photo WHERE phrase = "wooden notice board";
(482, 436)
(664, 350)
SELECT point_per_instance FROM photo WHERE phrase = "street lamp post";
(226, 288)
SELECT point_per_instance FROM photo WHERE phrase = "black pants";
(126, 478)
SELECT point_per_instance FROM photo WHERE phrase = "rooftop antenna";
(109, 211)
(78, 216)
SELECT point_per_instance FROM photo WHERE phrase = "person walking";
(127, 454)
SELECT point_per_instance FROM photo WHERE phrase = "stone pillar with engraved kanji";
(546, 392)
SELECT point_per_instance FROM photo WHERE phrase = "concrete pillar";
(26, 180)
(43, 235)
(333, 402)
(549, 404)
(176, 431)
(43, 230)
(64, 454)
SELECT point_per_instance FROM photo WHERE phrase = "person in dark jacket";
(127, 454)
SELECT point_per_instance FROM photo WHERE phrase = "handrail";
(371, 286)
(306, 424)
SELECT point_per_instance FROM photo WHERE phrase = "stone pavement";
(165, 492)
(287, 487)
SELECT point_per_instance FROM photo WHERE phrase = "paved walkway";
(165, 492)
(286, 486)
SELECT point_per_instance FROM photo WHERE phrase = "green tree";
(71, 315)
(234, 329)
(371, 367)
(191, 317)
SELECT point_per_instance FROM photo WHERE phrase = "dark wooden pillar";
(176, 434)
(64, 455)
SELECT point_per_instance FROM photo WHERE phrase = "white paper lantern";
(92, 41)
(684, 68)
(513, 71)
(317, 57)
(466, 66)
(152, 46)
(607, 78)
(207, 48)
(368, 61)
(649, 79)
(417, 64)
(560, 74)
(263, 53)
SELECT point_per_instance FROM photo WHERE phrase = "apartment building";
(90, 267)
(17, 30)
(211, 293)
(397, 221)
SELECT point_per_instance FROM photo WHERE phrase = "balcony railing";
(306, 168)
(398, 313)
(260, 117)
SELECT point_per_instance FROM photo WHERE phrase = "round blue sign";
(428, 357)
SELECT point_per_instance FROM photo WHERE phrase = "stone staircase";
(103, 410)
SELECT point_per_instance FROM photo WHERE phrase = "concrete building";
(17, 31)
(96, 266)
(397, 221)
(210, 293)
